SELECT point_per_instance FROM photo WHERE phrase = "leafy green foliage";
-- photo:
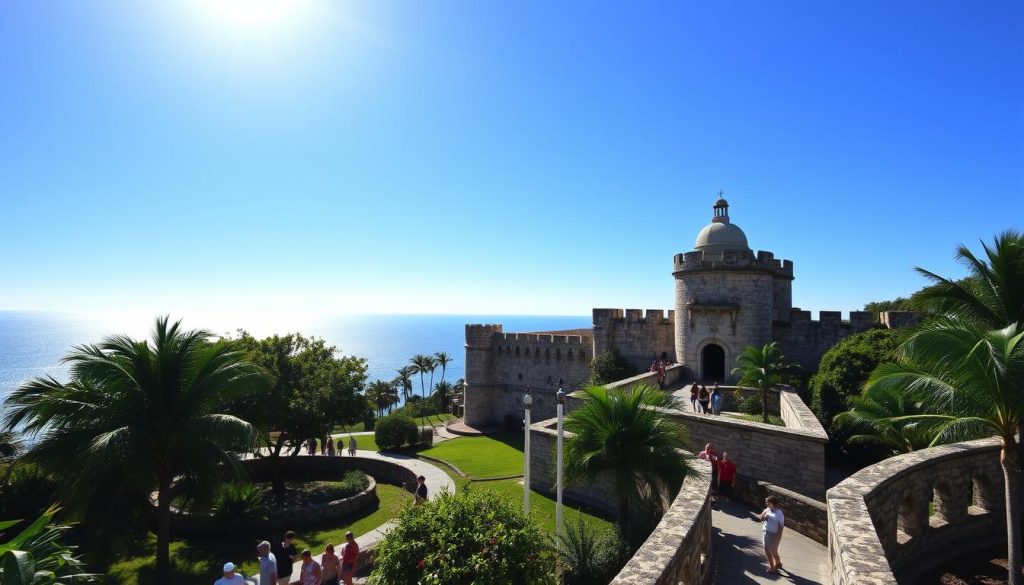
(763, 368)
(135, 416)
(842, 372)
(609, 366)
(589, 555)
(37, 555)
(240, 501)
(890, 418)
(470, 537)
(619, 433)
(751, 404)
(395, 430)
(28, 490)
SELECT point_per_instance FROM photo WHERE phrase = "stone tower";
(726, 298)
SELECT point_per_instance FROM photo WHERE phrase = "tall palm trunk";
(764, 404)
(1008, 458)
(163, 531)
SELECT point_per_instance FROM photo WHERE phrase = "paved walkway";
(739, 554)
(436, 480)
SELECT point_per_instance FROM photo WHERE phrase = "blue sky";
(502, 158)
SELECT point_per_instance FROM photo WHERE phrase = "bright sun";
(255, 15)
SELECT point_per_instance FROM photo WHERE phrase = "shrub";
(751, 404)
(469, 537)
(590, 555)
(609, 366)
(426, 436)
(239, 501)
(395, 430)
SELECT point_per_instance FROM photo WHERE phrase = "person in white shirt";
(230, 577)
(774, 522)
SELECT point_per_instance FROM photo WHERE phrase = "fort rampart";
(880, 529)
(804, 340)
(639, 336)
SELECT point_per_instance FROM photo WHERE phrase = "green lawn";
(434, 419)
(199, 560)
(542, 506)
(498, 455)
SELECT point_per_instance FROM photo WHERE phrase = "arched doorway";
(712, 361)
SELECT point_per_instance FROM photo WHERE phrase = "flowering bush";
(470, 537)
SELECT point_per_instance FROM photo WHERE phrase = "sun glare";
(251, 16)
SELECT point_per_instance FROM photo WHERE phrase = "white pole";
(527, 401)
(558, 467)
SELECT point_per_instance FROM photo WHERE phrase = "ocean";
(33, 343)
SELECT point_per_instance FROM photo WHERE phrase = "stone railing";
(804, 515)
(673, 374)
(679, 548)
(880, 529)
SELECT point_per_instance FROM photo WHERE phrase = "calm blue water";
(32, 344)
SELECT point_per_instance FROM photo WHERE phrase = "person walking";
(230, 576)
(661, 373)
(286, 554)
(311, 447)
(349, 558)
(774, 523)
(330, 565)
(352, 446)
(709, 454)
(268, 563)
(330, 447)
(694, 389)
(420, 495)
(726, 476)
(309, 572)
(323, 444)
(716, 400)
(704, 399)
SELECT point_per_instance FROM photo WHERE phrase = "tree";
(313, 391)
(475, 536)
(422, 364)
(892, 419)
(624, 436)
(992, 296)
(609, 366)
(958, 369)
(442, 359)
(382, 394)
(762, 368)
(442, 392)
(11, 446)
(136, 417)
(37, 555)
(404, 375)
(842, 372)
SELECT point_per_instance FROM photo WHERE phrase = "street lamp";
(558, 463)
(527, 402)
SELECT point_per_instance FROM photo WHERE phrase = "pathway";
(436, 480)
(739, 554)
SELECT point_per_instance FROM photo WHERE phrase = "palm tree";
(404, 375)
(11, 446)
(893, 419)
(380, 394)
(443, 390)
(992, 295)
(976, 376)
(761, 368)
(136, 417)
(442, 359)
(421, 365)
(622, 435)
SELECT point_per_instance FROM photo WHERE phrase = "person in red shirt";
(349, 558)
(726, 476)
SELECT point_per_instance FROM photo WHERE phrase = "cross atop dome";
(721, 208)
(720, 235)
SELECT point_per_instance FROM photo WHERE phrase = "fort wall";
(639, 336)
(880, 530)
(804, 340)
(501, 367)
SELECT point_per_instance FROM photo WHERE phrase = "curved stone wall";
(880, 530)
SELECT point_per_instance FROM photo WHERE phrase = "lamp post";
(558, 465)
(527, 402)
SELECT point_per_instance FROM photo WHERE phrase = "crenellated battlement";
(481, 334)
(737, 260)
(542, 338)
(831, 319)
(603, 317)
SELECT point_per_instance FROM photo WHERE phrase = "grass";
(542, 506)
(199, 560)
(433, 419)
(498, 455)
(772, 419)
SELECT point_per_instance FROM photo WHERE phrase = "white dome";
(720, 236)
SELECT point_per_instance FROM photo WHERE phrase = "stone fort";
(726, 297)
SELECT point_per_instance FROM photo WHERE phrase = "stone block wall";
(501, 367)
(543, 438)
(804, 515)
(880, 530)
(639, 336)
(804, 340)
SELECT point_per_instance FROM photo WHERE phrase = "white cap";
(228, 567)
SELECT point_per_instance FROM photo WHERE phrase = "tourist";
(230, 577)
(420, 495)
(311, 447)
(285, 554)
(323, 444)
(774, 521)
(704, 399)
(351, 446)
(309, 572)
(330, 564)
(716, 400)
(708, 454)
(694, 388)
(661, 373)
(349, 558)
(726, 476)
(330, 447)
(268, 563)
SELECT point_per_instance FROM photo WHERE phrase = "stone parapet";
(637, 335)
(880, 530)
(804, 515)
